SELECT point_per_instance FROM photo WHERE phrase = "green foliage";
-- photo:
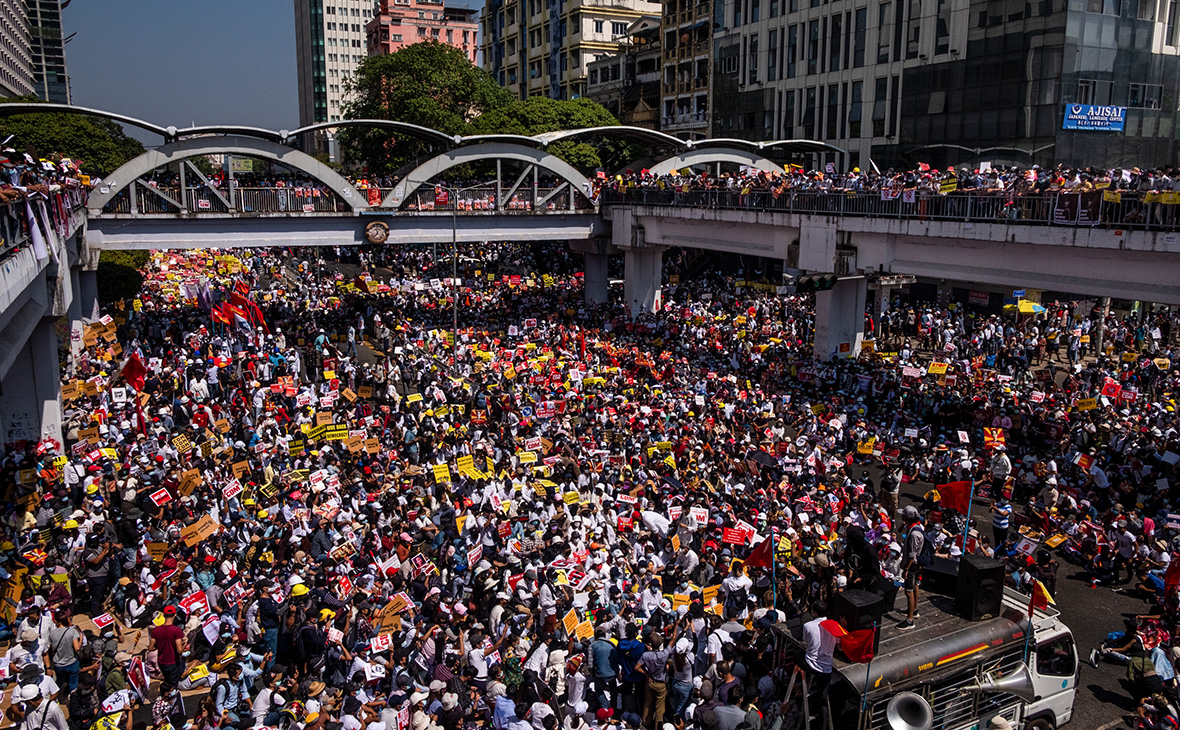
(119, 274)
(429, 84)
(100, 144)
(537, 115)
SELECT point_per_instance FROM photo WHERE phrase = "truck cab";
(963, 672)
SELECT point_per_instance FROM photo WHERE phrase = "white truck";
(949, 673)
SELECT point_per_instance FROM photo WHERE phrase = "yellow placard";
(413, 397)
(709, 594)
(527, 457)
(570, 621)
(585, 630)
(442, 473)
(937, 368)
(571, 497)
(1086, 404)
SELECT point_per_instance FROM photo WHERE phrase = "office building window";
(835, 37)
(883, 33)
(792, 49)
(1145, 96)
(755, 13)
(808, 120)
(880, 108)
(854, 110)
(833, 119)
(753, 59)
(618, 29)
(772, 56)
(1170, 31)
(789, 114)
(812, 46)
(914, 28)
(1093, 91)
(598, 26)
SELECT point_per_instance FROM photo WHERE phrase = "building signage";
(1095, 118)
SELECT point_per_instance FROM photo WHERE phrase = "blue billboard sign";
(1095, 118)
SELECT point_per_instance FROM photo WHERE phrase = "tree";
(537, 115)
(120, 274)
(430, 84)
(100, 144)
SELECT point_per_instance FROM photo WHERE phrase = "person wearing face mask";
(40, 713)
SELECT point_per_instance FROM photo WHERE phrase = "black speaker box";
(979, 594)
(941, 576)
(856, 609)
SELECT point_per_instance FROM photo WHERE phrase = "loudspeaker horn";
(1018, 682)
(909, 711)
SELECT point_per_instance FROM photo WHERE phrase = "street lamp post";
(453, 194)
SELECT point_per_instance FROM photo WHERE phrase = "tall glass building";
(898, 82)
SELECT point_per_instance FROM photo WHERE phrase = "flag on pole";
(858, 645)
(1040, 598)
(956, 496)
(762, 555)
(134, 372)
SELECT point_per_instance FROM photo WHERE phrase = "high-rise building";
(48, 50)
(330, 44)
(688, 66)
(898, 82)
(16, 60)
(628, 84)
(400, 23)
(543, 47)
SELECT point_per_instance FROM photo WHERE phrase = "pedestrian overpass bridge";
(161, 199)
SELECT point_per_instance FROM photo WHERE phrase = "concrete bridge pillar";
(30, 405)
(596, 282)
(839, 319)
(644, 271)
(87, 293)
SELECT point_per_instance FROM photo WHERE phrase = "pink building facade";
(399, 23)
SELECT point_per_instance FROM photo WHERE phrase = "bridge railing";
(1061, 209)
(548, 200)
(146, 199)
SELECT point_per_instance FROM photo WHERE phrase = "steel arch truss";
(181, 152)
(712, 156)
(505, 192)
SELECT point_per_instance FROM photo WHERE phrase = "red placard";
(160, 497)
(733, 536)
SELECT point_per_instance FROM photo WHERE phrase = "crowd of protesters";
(293, 498)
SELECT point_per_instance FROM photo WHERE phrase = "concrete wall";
(36, 297)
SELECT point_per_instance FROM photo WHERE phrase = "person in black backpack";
(916, 553)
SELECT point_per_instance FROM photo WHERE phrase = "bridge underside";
(171, 232)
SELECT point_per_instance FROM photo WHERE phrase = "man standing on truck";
(915, 540)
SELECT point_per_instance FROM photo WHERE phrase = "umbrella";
(1024, 306)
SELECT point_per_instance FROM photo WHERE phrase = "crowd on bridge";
(291, 495)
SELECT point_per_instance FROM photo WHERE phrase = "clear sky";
(183, 63)
(172, 62)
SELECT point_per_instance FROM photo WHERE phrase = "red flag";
(1040, 598)
(256, 313)
(134, 373)
(220, 316)
(956, 496)
(858, 645)
(242, 288)
(762, 555)
(1172, 577)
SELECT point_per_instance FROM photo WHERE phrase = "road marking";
(1110, 724)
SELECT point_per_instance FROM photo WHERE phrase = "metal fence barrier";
(1062, 209)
